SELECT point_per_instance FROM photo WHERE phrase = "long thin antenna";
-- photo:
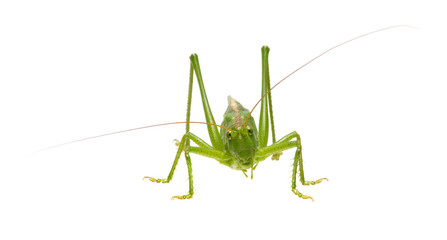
(321, 54)
(128, 130)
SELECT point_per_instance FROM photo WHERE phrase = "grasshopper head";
(241, 143)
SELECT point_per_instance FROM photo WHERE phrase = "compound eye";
(250, 132)
(229, 135)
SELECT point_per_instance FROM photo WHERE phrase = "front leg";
(282, 145)
(203, 149)
(191, 185)
(174, 165)
(298, 159)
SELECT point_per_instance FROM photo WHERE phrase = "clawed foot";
(276, 156)
(187, 196)
(315, 182)
(157, 180)
(301, 195)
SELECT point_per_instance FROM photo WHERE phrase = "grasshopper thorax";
(242, 142)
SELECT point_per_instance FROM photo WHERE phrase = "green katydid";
(239, 145)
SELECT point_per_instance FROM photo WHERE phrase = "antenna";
(321, 54)
(123, 131)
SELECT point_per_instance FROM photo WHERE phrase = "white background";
(371, 116)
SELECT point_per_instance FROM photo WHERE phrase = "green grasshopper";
(239, 145)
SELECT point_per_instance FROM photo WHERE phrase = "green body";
(246, 145)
